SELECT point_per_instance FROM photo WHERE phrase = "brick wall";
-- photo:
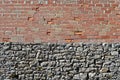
(59, 20)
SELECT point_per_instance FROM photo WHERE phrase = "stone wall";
(60, 61)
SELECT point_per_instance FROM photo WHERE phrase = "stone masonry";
(60, 39)
(60, 61)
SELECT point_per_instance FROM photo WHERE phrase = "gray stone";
(68, 45)
(83, 76)
(56, 77)
(104, 70)
(59, 61)
(44, 64)
(76, 76)
(7, 79)
(92, 74)
(52, 63)
(114, 53)
(97, 56)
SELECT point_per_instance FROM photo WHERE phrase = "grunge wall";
(34, 21)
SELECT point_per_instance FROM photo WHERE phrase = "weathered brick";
(68, 40)
(30, 18)
(54, 20)
(78, 32)
(6, 39)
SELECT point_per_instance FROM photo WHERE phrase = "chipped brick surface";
(59, 20)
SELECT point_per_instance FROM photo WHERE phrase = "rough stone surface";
(36, 21)
(48, 61)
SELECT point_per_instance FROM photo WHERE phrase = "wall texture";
(45, 61)
(41, 39)
(59, 20)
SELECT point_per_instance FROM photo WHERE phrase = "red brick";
(68, 22)
(68, 40)
(105, 37)
(106, 5)
(100, 19)
(115, 5)
(77, 19)
(78, 33)
(30, 18)
(6, 40)
(50, 22)
(48, 33)
(99, 5)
